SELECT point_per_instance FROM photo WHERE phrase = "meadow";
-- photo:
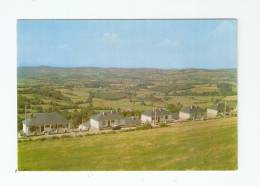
(191, 145)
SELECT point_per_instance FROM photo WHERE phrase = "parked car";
(116, 127)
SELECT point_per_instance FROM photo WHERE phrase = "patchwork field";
(77, 93)
(193, 145)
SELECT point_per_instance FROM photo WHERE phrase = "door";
(42, 128)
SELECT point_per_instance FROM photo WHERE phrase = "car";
(116, 127)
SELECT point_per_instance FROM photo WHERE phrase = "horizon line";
(170, 68)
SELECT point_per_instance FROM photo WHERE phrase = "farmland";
(77, 93)
(192, 145)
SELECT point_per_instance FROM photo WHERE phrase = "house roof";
(111, 115)
(27, 121)
(46, 118)
(132, 120)
(191, 109)
(158, 112)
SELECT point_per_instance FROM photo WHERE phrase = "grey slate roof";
(132, 120)
(159, 112)
(46, 118)
(27, 122)
(111, 115)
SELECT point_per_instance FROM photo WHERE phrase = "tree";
(174, 108)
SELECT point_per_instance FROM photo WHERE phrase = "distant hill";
(142, 73)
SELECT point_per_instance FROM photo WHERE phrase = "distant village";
(54, 123)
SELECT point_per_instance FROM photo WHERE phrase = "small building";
(212, 112)
(106, 120)
(218, 110)
(192, 112)
(84, 126)
(45, 122)
(158, 116)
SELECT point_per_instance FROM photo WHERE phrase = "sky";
(163, 44)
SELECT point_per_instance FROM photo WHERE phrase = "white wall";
(25, 129)
(83, 127)
(145, 118)
(184, 116)
(211, 113)
(94, 125)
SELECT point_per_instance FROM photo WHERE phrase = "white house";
(105, 120)
(157, 116)
(212, 112)
(191, 112)
(218, 109)
(45, 122)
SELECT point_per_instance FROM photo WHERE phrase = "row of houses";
(54, 122)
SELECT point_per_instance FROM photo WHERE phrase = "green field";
(78, 93)
(193, 145)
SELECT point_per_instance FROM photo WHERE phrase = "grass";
(194, 145)
(122, 104)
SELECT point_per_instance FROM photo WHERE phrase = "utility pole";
(25, 112)
(155, 116)
(225, 109)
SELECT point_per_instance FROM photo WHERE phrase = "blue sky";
(127, 43)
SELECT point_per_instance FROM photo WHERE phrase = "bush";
(174, 108)
(144, 126)
(163, 125)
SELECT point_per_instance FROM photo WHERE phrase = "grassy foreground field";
(194, 145)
